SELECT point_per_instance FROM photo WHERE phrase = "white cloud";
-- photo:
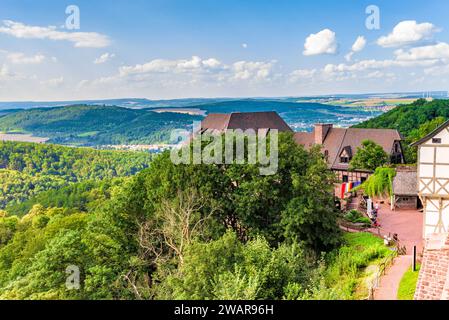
(437, 71)
(244, 45)
(195, 64)
(406, 33)
(55, 82)
(323, 42)
(4, 73)
(256, 70)
(105, 57)
(194, 73)
(212, 63)
(348, 56)
(376, 64)
(302, 74)
(437, 51)
(21, 58)
(79, 39)
(358, 46)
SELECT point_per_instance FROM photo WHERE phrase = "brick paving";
(408, 224)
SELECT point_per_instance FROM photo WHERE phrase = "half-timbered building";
(433, 180)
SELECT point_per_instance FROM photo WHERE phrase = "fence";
(384, 266)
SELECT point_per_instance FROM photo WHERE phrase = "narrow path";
(389, 283)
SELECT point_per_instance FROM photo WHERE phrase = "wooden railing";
(383, 267)
(385, 264)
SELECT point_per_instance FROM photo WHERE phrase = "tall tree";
(369, 157)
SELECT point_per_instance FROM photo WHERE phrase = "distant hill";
(414, 121)
(95, 125)
(407, 118)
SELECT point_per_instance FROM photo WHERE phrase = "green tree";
(369, 157)
(311, 215)
(411, 153)
(227, 268)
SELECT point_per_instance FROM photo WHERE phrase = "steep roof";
(431, 135)
(216, 121)
(337, 139)
(244, 121)
(405, 181)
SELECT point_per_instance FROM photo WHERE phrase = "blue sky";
(176, 49)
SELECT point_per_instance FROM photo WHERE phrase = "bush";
(353, 215)
(364, 220)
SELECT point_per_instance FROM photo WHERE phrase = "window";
(396, 148)
(326, 154)
(345, 178)
(436, 140)
(346, 155)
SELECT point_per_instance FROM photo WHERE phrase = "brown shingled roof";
(337, 139)
(216, 121)
(244, 121)
(405, 183)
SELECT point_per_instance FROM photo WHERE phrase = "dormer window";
(346, 155)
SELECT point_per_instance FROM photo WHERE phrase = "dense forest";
(414, 121)
(27, 169)
(187, 232)
(96, 125)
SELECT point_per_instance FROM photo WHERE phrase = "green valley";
(85, 125)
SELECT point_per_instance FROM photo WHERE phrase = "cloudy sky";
(230, 48)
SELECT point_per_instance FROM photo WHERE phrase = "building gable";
(442, 132)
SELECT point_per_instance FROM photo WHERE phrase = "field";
(21, 138)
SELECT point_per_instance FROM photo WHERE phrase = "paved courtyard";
(408, 224)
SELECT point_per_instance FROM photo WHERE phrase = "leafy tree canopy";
(369, 157)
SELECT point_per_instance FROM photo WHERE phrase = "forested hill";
(414, 121)
(407, 118)
(95, 125)
(27, 169)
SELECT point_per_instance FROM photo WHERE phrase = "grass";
(407, 286)
(88, 134)
(349, 268)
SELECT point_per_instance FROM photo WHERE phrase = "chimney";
(321, 130)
